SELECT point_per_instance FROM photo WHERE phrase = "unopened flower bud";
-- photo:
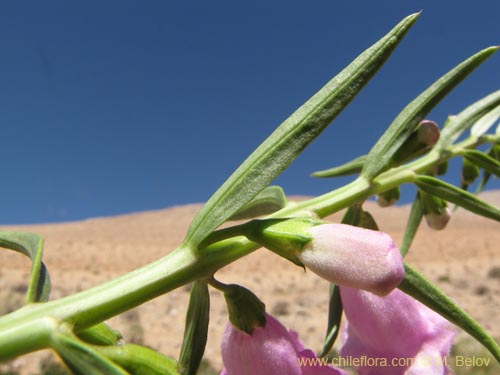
(355, 257)
(389, 197)
(470, 172)
(424, 137)
(435, 210)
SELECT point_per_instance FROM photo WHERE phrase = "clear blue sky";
(110, 107)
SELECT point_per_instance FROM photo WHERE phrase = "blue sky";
(110, 107)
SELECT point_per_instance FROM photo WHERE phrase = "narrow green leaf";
(484, 124)
(349, 168)
(414, 220)
(31, 245)
(269, 200)
(335, 310)
(461, 122)
(482, 160)
(430, 295)
(405, 123)
(100, 334)
(196, 330)
(276, 153)
(82, 359)
(458, 196)
(139, 360)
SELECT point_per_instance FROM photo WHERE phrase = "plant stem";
(30, 328)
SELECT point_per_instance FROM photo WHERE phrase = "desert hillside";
(463, 259)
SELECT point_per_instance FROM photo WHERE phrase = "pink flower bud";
(438, 221)
(269, 350)
(405, 336)
(355, 257)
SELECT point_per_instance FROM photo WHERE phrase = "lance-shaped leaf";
(269, 200)
(493, 152)
(461, 122)
(458, 196)
(380, 156)
(31, 245)
(196, 329)
(414, 220)
(430, 295)
(274, 155)
(139, 360)
(335, 311)
(482, 160)
(484, 124)
(82, 359)
(352, 167)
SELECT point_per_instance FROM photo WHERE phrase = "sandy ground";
(463, 260)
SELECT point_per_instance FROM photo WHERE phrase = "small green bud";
(246, 310)
(389, 197)
(470, 172)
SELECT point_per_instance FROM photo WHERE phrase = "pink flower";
(269, 350)
(395, 334)
(354, 257)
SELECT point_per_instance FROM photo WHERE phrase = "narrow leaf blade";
(458, 196)
(484, 161)
(269, 200)
(484, 124)
(352, 167)
(461, 122)
(335, 310)
(31, 245)
(196, 330)
(414, 220)
(82, 359)
(405, 123)
(430, 295)
(274, 155)
(139, 360)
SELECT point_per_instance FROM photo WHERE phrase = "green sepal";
(484, 123)
(465, 119)
(414, 220)
(278, 151)
(458, 196)
(139, 360)
(357, 216)
(415, 285)
(335, 310)
(246, 310)
(31, 245)
(380, 156)
(285, 237)
(82, 359)
(269, 200)
(100, 334)
(483, 160)
(349, 168)
(196, 329)
(389, 197)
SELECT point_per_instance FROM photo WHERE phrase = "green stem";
(30, 328)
